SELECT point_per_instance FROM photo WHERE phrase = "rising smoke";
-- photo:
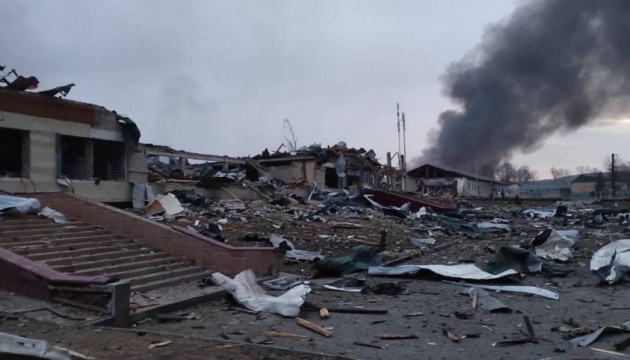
(555, 65)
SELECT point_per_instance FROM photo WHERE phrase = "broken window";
(75, 158)
(14, 153)
(109, 160)
(331, 178)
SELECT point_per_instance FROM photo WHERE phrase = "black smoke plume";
(555, 65)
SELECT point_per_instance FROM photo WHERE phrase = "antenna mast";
(398, 118)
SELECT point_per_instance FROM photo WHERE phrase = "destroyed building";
(334, 167)
(441, 180)
(51, 144)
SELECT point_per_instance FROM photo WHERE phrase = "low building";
(439, 179)
(53, 144)
(573, 186)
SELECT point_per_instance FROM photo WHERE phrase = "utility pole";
(477, 179)
(613, 175)
(404, 122)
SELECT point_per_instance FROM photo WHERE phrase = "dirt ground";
(114, 344)
(430, 310)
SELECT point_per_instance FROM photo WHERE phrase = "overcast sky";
(219, 77)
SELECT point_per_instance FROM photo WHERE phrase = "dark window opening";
(13, 154)
(75, 158)
(109, 160)
(354, 181)
(331, 179)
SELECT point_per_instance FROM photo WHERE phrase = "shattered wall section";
(40, 149)
(294, 171)
(137, 165)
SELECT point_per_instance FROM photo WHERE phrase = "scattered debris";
(421, 243)
(356, 259)
(551, 244)
(19, 204)
(313, 327)
(13, 346)
(249, 294)
(612, 262)
(165, 204)
(368, 345)
(393, 288)
(397, 336)
(515, 258)
(514, 288)
(531, 338)
(56, 216)
(323, 313)
(586, 340)
(451, 335)
(285, 335)
(461, 271)
(485, 301)
(159, 344)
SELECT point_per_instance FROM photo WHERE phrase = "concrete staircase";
(84, 249)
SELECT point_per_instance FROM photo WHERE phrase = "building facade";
(52, 144)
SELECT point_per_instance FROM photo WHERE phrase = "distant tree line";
(507, 172)
(617, 170)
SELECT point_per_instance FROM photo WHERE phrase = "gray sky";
(220, 76)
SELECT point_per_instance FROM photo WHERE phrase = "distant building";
(573, 186)
(440, 179)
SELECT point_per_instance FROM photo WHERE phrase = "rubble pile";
(346, 243)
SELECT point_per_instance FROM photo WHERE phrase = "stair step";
(86, 245)
(131, 263)
(69, 266)
(36, 226)
(58, 242)
(149, 270)
(46, 232)
(93, 258)
(171, 281)
(24, 221)
(163, 275)
(95, 251)
(47, 236)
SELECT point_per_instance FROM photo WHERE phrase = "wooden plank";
(313, 327)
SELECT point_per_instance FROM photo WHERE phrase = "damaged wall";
(292, 170)
(41, 161)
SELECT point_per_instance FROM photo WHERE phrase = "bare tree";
(525, 174)
(619, 171)
(585, 169)
(291, 143)
(506, 172)
(558, 173)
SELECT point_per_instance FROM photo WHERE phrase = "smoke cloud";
(555, 65)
